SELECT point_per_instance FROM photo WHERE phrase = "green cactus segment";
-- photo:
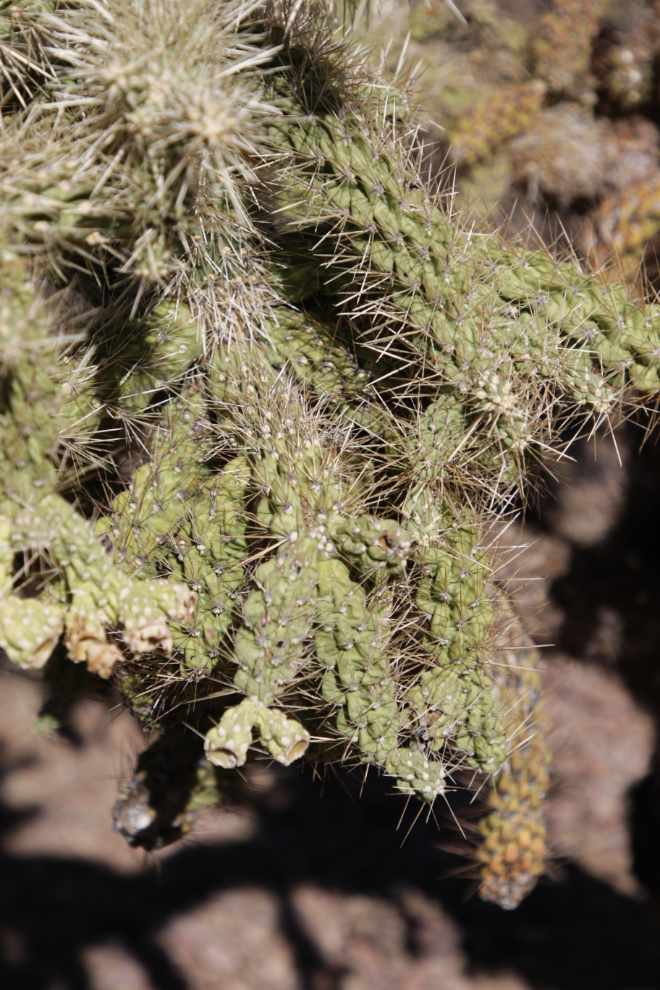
(454, 699)
(226, 744)
(99, 594)
(45, 421)
(303, 344)
(352, 645)
(307, 586)
(179, 516)
(211, 548)
(416, 774)
(29, 630)
(138, 361)
(494, 327)
(277, 620)
(164, 488)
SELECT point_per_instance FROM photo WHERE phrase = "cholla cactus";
(250, 445)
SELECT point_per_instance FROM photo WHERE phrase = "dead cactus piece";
(513, 852)
(173, 785)
(499, 117)
(86, 642)
(562, 46)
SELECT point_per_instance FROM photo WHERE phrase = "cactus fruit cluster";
(262, 395)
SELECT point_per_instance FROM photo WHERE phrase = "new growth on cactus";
(263, 392)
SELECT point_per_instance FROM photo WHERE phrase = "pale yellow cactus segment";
(285, 739)
(227, 743)
(6, 554)
(29, 630)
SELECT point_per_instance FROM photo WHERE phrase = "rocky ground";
(306, 885)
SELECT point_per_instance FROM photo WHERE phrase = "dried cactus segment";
(86, 641)
(500, 116)
(513, 850)
(101, 596)
(562, 45)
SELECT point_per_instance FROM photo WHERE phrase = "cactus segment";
(248, 447)
(45, 423)
(29, 630)
(493, 329)
(226, 744)
(99, 594)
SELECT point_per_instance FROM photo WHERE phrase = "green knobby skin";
(304, 345)
(180, 515)
(46, 422)
(453, 699)
(352, 645)
(494, 327)
(304, 508)
(277, 620)
(139, 361)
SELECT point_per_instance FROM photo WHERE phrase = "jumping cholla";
(264, 396)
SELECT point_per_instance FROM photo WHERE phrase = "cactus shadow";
(619, 577)
(574, 934)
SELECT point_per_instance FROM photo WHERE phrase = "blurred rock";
(602, 745)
